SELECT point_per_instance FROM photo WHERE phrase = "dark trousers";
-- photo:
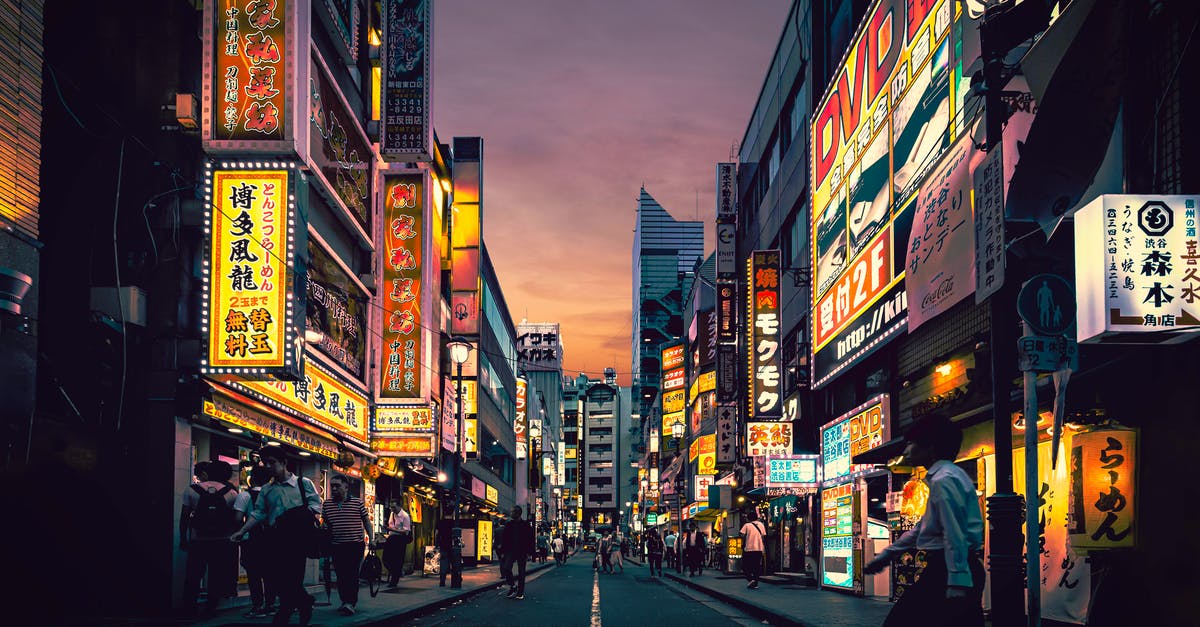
(925, 603)
(347, 561)
(673, 559)
(752, 563)
(395, 552)
(605, 561)
(656, 562)
(219, 559)
(691, 558)
(507, 566)
(287, 562)
(254, 560)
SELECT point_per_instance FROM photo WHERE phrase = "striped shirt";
(347, 519)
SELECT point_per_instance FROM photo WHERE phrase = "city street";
(574, 595)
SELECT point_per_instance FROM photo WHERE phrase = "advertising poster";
(837, 536)
(858, 431)
(247, 280)
(406, 130)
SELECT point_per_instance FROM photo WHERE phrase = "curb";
(756, 611)
(420, 610)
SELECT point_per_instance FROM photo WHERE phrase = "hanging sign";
(403, 260)
(1103, 507)
(726, 433)
(793, 471)
(762, 281)
(768, 438)
(406, 130)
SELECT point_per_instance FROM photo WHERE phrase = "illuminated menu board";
(837, 536)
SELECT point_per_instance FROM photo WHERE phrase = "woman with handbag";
(288, 506)
(399, 527)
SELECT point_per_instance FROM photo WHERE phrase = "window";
(572, 475)
(600, 431)
(599, 481)
(600, 465)
(773, 164)
(600, 448)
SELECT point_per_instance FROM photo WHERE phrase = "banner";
(940, 262)
(406, 130)
(248, 313)
(763, 304)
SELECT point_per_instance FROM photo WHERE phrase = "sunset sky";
(580, 103)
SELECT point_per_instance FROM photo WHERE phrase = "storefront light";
(272, 443)
(305, 454)
(235, 430)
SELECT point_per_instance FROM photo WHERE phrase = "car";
(589, 545)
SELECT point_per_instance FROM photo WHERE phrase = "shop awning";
(235, 409)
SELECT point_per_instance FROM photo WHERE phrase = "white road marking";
(595, 599)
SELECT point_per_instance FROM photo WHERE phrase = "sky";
(580, 103)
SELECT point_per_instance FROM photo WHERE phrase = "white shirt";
(952, 522)
(754, 531)
(557, 543)
(669, 541)
(399, 521)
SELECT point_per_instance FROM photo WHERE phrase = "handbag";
(299, 526)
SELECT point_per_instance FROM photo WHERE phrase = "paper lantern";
(1102, 512)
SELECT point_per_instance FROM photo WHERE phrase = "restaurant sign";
(406, 130)
(768, 438)
(403, 261)
(402, 419)
(762, 294)
(318, 397)
(257, 422)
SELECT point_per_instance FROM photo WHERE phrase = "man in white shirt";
(753, 533)
(395, 551)
(950, 589)
(672, 556)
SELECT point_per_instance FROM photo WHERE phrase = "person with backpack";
(254, 559)
(753, 533)
(655, 547)
(288, 507)
(206, 520)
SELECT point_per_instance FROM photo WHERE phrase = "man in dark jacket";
(518, 545)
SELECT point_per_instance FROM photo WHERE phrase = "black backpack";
(213, 515)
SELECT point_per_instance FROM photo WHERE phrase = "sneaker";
(255, 613)
(521, 597)
(512, 592)
(753, 586)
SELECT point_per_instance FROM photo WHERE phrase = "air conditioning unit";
(131, 299)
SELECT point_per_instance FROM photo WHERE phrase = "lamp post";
(460, 350)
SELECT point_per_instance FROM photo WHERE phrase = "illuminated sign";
(674, 379)
(572, 452)
(485, 540)
(768, 438)
(404, 445)
(406, 132)
(674, 401)
(449, 428)
(884, 119)
(236, 414)
(403, 260)
(402, 419)
(1103, 476)
(700, 485)
(249, 70)
(706, 454)
(837, 536)
(492, 495)
(671, 419)
(470, 436)
(858, 431)
(793, 471)
(338, 147)
(248, 276)
(706, 382)
(762, 282)
(519, 426)
(1137, 268)
(673, 357)
(727, 318)
(319, 397)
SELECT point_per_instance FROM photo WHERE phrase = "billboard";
(880, 126)
(339, 149)
(337, 309)
(538, 347)
(762, 281)
(837, 535)
(673, 357)
(1137, 268)
(319, 397)
(406, 128)
(768, 438)
(251, 75)
(794, 471)
(403, 260)
(248, 272)
(519, 424)
(866, 427)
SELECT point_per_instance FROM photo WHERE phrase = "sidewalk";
(791, 605)
(414, 596)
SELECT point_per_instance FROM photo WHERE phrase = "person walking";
(254, 557)
(604, 550)
(349, 525)
(950, 590)
(445, 545)
(288, 506)
(654, 551)
(395, 551)
(543, 547)
(560, 550)
(753, 533)
(518, 544)
(205, 522)
(618, 552)
(669, 542)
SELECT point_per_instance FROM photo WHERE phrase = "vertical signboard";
(885, 117)
(249, 305)
(406, 131)
(866, 427)
(250, 74)
(763, 304)
(403, 260)
(726, 433)
(466, 233)
(726, 192)
(337, 146)
(727, 312)
(337, 310)
(449, 414)
(837, 536)
(726, 252)
(988, 184)
(519, 424)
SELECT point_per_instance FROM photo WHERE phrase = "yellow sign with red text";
(319, 397)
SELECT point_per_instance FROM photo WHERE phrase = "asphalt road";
(574, 595)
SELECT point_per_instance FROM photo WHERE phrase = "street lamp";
(460, 350)
(677, 430)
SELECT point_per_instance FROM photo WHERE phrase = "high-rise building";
(665, 251)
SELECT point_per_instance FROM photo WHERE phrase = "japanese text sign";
(406, 130)
(988, 183)
(794, 471)
(700, 487)
(403, 260)
(673, 357)
(416, 419)
(248, 300)
(318, 397)
(727, 318)
(673, 401)
(257, 422)
(519, 420)
(706, 454)
(726, 191)
(248, 92)
(449, 428)
(866, 427)
(726, 433)
(1137, 267)
(763, 304)
(768, 438)
(337, 145)
(420, 445)
(1103, 505)
(837, 536)
(674, 379)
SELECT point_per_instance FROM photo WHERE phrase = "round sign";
(1047, 304)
